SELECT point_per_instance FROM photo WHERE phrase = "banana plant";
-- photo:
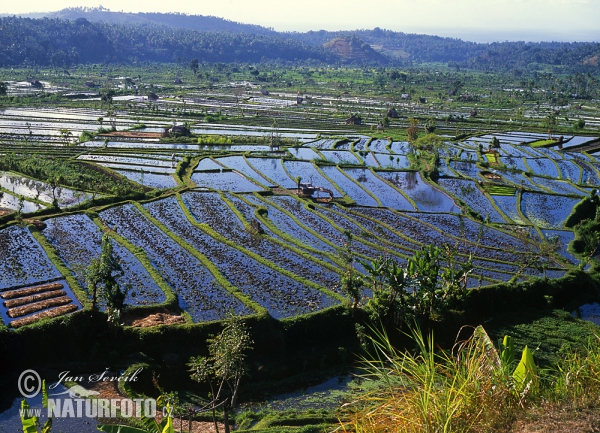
(150, 424)
(31, 423)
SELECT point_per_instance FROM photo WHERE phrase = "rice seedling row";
(288, 240)
(77, 241)
(226, 181)
(470, 193)
(340, 157)
(389, 161)
(361, 143)
(239, 164)
(378, 238)
(546, 210)
(387, 195)
(119, 159)
(309, 174)
(281, 295)
(286, 224)
(465, 169)
(560, 239)
(152, 180)
(516, 151)
(589, 175)
(400, 147)
(314, 222)
(467, 229)
(323, 143)
(208, 164)
(198, 291)
(24, 261)
(304, 153)
(352, 189)
(515, 163)
(519, 180)
(558, 186)
(379, 145)
(542, 167)
(272, 170)
(508, 206)
(205, 206)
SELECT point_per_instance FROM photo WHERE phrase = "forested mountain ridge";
(98, 35)
(177, 20)
(64, 42)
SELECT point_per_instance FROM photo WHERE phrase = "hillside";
(352, 49)
(92, 35)
(52, 41)
(175, 20)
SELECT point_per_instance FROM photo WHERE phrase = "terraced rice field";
(234, 235)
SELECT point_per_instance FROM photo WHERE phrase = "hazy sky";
(479, 20)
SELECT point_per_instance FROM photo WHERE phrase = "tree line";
(59, 42)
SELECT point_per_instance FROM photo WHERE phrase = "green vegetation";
(396, 268)
(224, 368)
(503, 190)
(475, 387)
(75, 174)
(104, 271)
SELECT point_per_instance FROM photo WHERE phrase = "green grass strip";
(580, 179)
(341, 230)
(542, 143)
(81, 294)
(300, 245)
(218, 237)
(171, 301)
(493, 203)
(249, 179)
(212, 268)
(409, 199)
(286, 245)
(490, 157)
(264, 176)
(520, 209)
(335, 185)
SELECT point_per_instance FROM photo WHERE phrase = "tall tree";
(103, 272)
(224, 368)
(194, 66)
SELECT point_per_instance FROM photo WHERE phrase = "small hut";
(392, 113)
(177, 131)
(354, 120)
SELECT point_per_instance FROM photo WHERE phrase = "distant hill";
(93, 35)
(352, 49)
(414, 48)
(59, 42)
(175, 20)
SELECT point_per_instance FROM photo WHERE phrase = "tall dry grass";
(433, 391)
(577, 378)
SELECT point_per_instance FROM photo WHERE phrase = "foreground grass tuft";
(472, 388)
